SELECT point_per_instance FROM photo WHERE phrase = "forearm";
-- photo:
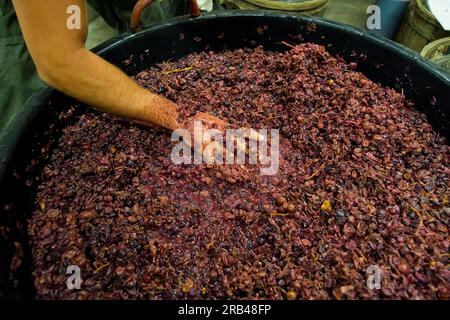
(92, 80)
(64, 63)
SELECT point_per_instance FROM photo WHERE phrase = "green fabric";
(18, 76)
(118, 13)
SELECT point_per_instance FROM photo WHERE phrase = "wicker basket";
(438, 52)
(419, 27)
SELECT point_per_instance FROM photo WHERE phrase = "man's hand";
(208, 122)
(64, 63)
(201, 140)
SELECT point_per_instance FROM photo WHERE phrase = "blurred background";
(409, 22)
(351, 12)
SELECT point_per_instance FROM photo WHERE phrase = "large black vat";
(38, 126)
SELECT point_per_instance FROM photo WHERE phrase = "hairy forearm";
(65, 64)
(90, 79)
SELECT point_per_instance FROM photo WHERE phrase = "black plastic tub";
(32, 134)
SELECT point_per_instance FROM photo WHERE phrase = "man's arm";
(64, 63)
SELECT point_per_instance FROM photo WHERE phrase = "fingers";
(247, 134)
(206, 137)
(210, 121)
(214, 153)
(213, 150)
(241, 145)
(253, 135)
